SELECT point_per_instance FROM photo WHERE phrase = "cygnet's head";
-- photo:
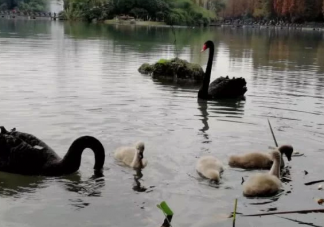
(287, 150)
(213, 176)
(140, 148)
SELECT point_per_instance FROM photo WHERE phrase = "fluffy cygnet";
(259, 160)
(209, 167)
(132, 156)
(265, 184)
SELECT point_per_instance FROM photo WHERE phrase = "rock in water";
(146, 69)
(175, 69)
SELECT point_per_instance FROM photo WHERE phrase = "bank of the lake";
(278, 27)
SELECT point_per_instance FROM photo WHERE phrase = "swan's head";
(287, 150)
(207, 45)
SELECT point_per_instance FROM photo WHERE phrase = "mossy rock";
(175, 69)
(146, 68)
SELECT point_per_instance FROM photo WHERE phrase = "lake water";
(60, 81)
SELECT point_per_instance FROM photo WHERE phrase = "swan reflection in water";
(90, 187)
(137, 176)
(17, 186)
(14, 185)
(222, 108)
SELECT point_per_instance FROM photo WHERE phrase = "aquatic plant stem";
(167, 212)
(300, 222)
(274, 138)
(286, 212)
(234, 213)
(314, 182)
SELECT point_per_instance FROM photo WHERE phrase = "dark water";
(61, 81)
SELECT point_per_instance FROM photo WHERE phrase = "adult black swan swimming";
(25, 154)
(222, 87)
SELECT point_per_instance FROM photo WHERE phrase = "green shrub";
(173, 12)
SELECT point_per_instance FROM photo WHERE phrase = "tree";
(30, 5)
(277, 6)
(313, 9)
(123, 6)
(216, 6)
(294, 10)
(170, 11)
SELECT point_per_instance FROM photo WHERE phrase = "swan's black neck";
(203, 92)
(72, 160)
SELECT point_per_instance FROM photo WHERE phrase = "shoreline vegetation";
(238, 13)
(168, 12)
(282, 14)
(263, 14)
(24, 6)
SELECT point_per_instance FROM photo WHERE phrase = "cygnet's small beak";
(289, 159)
(213, 181)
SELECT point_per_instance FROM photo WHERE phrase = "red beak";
(204, 48)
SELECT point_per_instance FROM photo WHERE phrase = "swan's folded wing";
(4, 152)
(18, 156)
(217, 87)
(227, 87)
(31, 139)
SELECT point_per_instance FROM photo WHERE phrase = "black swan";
(22, 153)
(222, 87)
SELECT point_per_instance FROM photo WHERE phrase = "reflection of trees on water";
(142, 39)
(274, 52)
(25, 28)
(266, 51)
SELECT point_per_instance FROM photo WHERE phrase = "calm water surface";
(61, 81)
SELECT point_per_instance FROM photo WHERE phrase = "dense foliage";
(290, 10)
(180, 12)
(24, 5)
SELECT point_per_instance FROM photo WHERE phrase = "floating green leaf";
(165, 208)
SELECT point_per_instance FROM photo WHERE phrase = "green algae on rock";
(175, 69)
(146, 68)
